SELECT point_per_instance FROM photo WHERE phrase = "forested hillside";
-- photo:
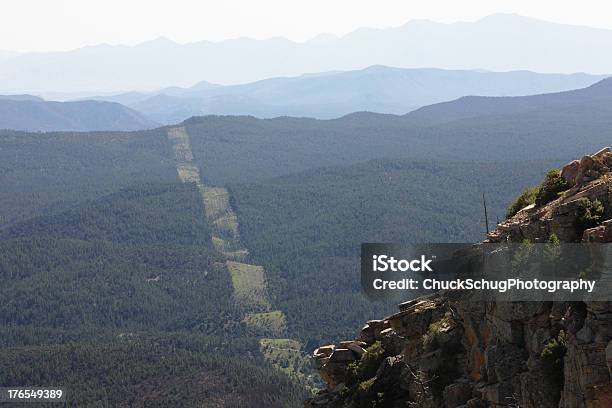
(123, 299)
(133, 275)
(143, 214)
(151, 373)
(306, 229)
(41, 173)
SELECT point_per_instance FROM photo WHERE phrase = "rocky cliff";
(446, 351)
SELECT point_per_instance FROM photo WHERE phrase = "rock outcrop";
(590, 178)
(447, 351)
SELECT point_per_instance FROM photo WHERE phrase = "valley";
(207, 260)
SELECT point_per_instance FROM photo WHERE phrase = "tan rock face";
(593, 167)
(598, 162)
(570, 171)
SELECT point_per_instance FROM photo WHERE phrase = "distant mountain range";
(30, 113)
(334, 94)
(499, 42)
(431, 95)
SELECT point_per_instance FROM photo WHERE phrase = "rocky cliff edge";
(439, 351)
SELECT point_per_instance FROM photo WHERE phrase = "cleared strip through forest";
(249, 281)
(217, 209)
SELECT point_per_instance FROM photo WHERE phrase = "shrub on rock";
(527, 197)
(551, 187)
(589, 213)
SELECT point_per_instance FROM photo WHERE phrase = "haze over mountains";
(499, 42)
(323, 96)
(334, 94)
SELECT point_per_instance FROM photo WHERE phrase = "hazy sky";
(44, 25)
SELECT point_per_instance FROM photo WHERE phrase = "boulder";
(592, 167)
(356, 348)
(415, 320)
(601, 233)
(320, 356)
(333, 372)
(324, 350)
(366, 334)
(605, 152)
(342, 355)
(570, 171)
